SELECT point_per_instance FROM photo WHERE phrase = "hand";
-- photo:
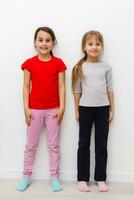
(111, 115)
(77, 115)
(28, 116)
(59, 115)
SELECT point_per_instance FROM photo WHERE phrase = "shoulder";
(28, 63)
(106, 65)
(30, 60)
(57, 59)
(59, 63)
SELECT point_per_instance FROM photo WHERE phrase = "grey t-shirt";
(98, 81)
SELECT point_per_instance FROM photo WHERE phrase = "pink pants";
(41, 118)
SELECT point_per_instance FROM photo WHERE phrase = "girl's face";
(93, 48)
(43, 43)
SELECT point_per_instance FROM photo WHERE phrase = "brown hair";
(48, 30)
(77, 69)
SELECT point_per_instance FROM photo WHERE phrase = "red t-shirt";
(44, 81)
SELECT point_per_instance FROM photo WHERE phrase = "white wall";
(70, 20)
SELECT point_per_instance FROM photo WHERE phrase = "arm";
(26, 91)
(76, 102)
(61, 84)
(111, 100)
(110, 93)
(77, 91)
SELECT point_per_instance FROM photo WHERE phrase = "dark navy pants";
(87, 116)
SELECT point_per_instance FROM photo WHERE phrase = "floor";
(41, 190)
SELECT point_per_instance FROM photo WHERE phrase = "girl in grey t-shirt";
(94, 103)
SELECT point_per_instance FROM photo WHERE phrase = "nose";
(94, 46)
(44, 43)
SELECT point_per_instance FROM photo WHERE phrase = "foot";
(102, 186)
(56, 186)
(83, 187)
(23, 185)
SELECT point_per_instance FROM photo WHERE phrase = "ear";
(84, 49)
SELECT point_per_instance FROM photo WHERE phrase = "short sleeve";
(77, 88)
(61, 66)
(27, 65)
(109, 79)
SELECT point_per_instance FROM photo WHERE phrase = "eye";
(98, 44)
(48, 40)
(40, 40)
(90, 44)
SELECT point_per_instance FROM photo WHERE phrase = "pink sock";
(82, 186)
(102, 186)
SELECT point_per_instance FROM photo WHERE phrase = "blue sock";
(56, 186)
(23, 184)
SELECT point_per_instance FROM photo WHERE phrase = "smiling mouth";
(44, 48)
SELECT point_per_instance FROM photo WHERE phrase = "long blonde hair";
(77, 69)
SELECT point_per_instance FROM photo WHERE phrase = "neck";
(45, 57)
(91, 59)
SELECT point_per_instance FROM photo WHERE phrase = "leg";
(33, 133)
(101, 136)
(83, 155)
(53, 137)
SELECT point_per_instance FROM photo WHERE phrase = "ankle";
(102, 186)
(56, 185)
(23, 185)
(83, 187)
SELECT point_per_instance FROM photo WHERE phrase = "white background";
(70, 20)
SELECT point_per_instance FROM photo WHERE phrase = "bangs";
(97, 37)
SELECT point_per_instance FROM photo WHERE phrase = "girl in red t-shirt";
(44, 104)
